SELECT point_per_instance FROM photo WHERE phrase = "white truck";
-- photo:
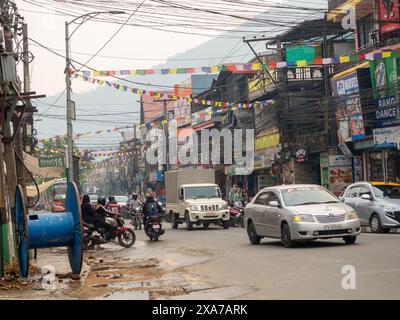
(194, 198)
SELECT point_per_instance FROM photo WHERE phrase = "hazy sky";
(48, 29)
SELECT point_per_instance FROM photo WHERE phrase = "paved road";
(268, 271)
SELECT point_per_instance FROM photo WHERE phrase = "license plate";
(156, 226)
(333, 227)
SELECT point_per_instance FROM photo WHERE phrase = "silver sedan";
(300, 212)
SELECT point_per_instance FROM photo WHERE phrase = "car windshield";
(388, 192)
(206, 192)
(121, 198)
(307, 196)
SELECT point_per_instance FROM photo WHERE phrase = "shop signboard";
(350, 121)
(386, 137)
(345, 150)
(266, 148)
(260, 85)
(340, 173)
(387, 110)
(51, 162)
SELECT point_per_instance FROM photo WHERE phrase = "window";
(272, 197)
(262, 199)
(353, 192)
(364, 190)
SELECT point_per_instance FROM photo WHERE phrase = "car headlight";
(390, 214)
(223, 206)
(387, 207)
(195, 208)
(351, 215)
(303, 218)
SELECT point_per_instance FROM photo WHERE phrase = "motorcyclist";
(151, 207)
(113, 205)
(235, 195)
(99, 219)
(134, 202)
(87, 210)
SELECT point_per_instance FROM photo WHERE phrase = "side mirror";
(366, 196)
(274, 204)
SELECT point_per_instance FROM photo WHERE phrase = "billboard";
(389, 15)
(349, 118)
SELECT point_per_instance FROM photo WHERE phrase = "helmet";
(85, 198)
(149, 196)
(111, 199)
(102, 201)
(134, 195)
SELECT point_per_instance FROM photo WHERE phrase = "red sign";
(389, 15)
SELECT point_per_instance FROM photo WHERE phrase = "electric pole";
(166, 135)
(70, 158)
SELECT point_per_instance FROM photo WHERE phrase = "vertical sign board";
(350, 121)
(384, 79)
(340, 173)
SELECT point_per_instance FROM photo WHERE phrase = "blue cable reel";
(49, 230)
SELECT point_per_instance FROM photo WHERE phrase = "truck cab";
(200, 204)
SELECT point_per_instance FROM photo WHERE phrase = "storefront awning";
(32, 191)
(350, 70)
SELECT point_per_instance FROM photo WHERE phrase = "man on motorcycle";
(87, 210)
(134, 202)
(99, 219)
(113, 205)
(151, 207)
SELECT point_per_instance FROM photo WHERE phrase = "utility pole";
(165, 111)
(69, 155)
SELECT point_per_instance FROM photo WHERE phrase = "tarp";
(32, 191)
(32, 164)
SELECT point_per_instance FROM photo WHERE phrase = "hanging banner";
(307, 59)
(158, 94)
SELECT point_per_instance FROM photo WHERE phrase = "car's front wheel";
(375, 224)
(189, 225)
(252, 233)
(286, 239)
(350, 239)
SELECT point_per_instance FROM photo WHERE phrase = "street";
(221, 264)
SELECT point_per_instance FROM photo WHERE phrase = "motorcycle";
(93, 236)
(236, 214)
(136, 217)
(153, 227)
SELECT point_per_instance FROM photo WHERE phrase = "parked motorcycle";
(92, 236)
(137, 217)
(153, 227)
(236, 214)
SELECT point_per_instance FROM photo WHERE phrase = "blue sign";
(386, 111)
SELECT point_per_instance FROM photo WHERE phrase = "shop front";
(266, 153)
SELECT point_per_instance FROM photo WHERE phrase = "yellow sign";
(267, 139)
(259, 85)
